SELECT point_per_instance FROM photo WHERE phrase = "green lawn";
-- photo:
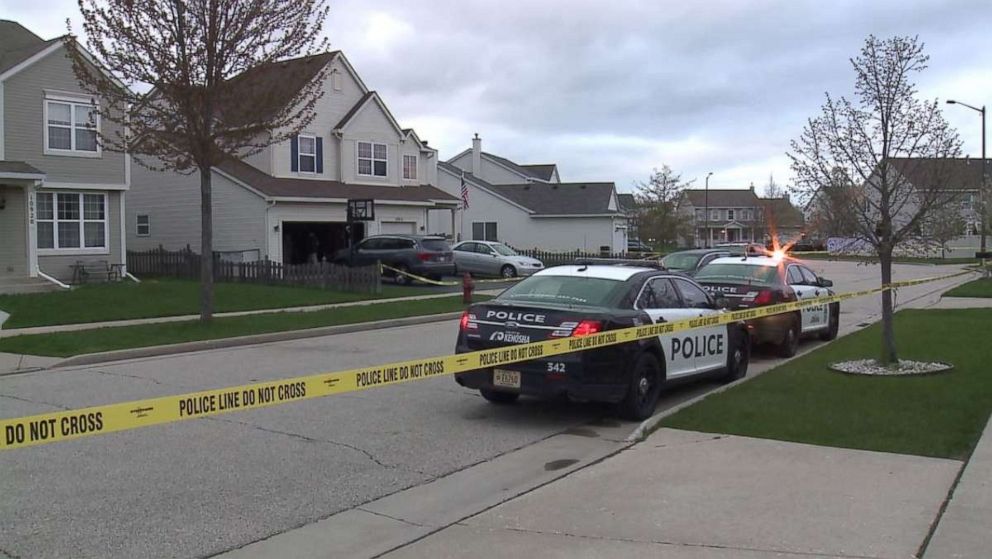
(896, 260)
(65, 344)
(977, 288)
(940, 415)
(167, 297)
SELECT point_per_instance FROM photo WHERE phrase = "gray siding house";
(61, 194)
(289, 202)
(528, 207)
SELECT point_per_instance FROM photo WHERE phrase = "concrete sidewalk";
(684, 494)
(187, 317)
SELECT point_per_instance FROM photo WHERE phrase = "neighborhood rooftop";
(17, 44)
(722, 197)
(577, 198)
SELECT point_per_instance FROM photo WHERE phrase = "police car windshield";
(738, 273)
(564, 290)
(681, 261)
(504, 250)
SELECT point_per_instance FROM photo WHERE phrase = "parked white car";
(493, 259)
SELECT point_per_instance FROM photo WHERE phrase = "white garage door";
(404, 227)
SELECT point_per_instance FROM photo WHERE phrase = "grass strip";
(169, 297)
(67, 344)
(976, 288)
(802, 401)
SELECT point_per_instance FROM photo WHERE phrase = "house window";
(336, 80)
(71, 220)
(700, 215)
(410, 167)
(308, 154)
(484, 231)
(143, 225)
(968, 201)
(714, 215)
(71, 128)
(371, 159)
(730, 215)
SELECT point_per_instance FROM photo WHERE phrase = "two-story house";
(527, 206)
(61, 193)
(734, 216)
(289, 202)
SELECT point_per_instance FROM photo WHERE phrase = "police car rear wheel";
(790, 341)
(645, 387)
(833, 324)
(499, 397)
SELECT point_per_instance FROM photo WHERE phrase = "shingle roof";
(723, 198)
(307, 188)
(19, 167)
(17, 44)
(274, 85)
(781, 212)
(955, 173)
(542, 171)
(576, 198)
(627, 202)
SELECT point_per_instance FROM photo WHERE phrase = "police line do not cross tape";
(98, 420)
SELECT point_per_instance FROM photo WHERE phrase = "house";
(630, 208)
(527, 206)
(62, 196)
(289, 203)
(783, 219)
(735, 215)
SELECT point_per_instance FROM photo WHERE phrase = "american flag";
(464, 193)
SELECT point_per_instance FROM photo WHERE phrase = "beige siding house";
(289, 202)
(61, 194)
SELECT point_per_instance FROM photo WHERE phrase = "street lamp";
(982, 210)
(706, 212)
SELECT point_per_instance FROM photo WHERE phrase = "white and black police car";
(581, 300)
(756, 281)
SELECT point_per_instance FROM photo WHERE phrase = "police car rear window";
(565, 290)
(680, 261)
(738, 273)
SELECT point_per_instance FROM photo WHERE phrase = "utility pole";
(706, 212)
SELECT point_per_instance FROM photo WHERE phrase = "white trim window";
(730, 215)
(142, 225)
(410, 167)
(307, 154)
(71, 128)
(72, 222)
(372, 159)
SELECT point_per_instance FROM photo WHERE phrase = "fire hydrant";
(467, 287)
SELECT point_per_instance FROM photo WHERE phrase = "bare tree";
(882, 140)
(657, 200)
(943, 225)
(773, 189)
(185, 109)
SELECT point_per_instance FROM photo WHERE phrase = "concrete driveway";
(205, 487)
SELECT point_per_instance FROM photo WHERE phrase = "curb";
(221, 343)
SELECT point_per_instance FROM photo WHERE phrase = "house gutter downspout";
(47, 277)
(269, 204)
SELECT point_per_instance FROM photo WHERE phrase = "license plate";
(506, 379)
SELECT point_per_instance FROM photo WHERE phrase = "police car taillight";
(467, 321)
(764, 297)
(587, 328)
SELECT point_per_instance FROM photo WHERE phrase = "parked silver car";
(493, 259)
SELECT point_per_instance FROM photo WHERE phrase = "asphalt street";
(203, 487)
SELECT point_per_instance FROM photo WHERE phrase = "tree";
(183, 107)
(829, 215)
(879, 140)
(772, 189)
(943, 225)
(657, 202)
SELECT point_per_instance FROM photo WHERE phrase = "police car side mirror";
(824, 282)
(721, 302)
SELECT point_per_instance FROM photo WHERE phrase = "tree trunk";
(206, 247)
(888, 334)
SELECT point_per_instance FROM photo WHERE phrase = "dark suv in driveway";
(421, 255)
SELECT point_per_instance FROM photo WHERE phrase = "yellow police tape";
(447, 283)
(97, 420)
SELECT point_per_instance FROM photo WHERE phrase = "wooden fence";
(185, 264)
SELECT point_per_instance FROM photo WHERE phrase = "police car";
(581, 300)
(756, 281)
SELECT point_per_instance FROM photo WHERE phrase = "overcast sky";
(611, 89)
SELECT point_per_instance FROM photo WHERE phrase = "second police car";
(757, 281)
(581, 300)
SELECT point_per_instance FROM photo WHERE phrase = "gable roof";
(364, 102)
(18, 44)
(722, 198)
(277, 187)
(279, 82)
(575, 198)
(627, 202)
(479, 183)
(781, 212)
(956, 173)
(542, 171)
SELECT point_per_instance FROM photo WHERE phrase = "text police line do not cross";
(73, 424)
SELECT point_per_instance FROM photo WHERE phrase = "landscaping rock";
(905, 367)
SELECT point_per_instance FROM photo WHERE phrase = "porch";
(729, 232)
